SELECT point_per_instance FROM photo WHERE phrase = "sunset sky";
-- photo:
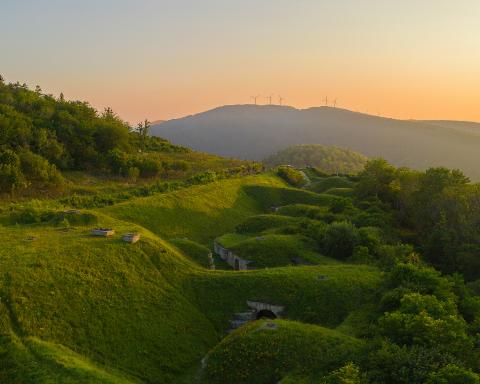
(164, 59)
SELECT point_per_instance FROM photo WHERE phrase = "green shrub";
(340, 240)
(291, 175)
(453, 374)
(39, 172)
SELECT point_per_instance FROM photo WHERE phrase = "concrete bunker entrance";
(265, 314)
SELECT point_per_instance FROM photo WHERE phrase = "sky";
(165, 59)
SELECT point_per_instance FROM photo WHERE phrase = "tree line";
(42, 135)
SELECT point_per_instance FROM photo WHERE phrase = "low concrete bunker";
(257, 311)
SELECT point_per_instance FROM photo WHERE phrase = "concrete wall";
(233, 260)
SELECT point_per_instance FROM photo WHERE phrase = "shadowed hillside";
(254, 132)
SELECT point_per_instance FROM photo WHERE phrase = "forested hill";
(255, 132)
(42, 137)
(327, 159)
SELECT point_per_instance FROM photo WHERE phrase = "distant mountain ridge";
(255, 132)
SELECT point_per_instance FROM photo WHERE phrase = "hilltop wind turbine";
(280, 100)
(255, 98)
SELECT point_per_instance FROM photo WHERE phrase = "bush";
(291, 175)
(340, 240)
(149, 167)
(453, 374)
(39, 172)
(11, 177)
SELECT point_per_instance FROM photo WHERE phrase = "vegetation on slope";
(276, 250)
(329, 293)
(195, 251)
(109, 301)
(42, 137)
(199, 213)
(327, 183)
(266, 351)
(330, 160)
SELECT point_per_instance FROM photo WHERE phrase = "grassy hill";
(81, 309)
(275, 250)
(267, 351)
(200, 213)
(102, 298)
(330, 160)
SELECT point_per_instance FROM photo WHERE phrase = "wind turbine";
(326, 101)
(280, 100)
(255, 98)
(270, 99)
(335, 103)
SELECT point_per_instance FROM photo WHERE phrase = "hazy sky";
(163, 59)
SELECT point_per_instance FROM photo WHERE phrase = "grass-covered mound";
(114, 303)
(268, 196)
(324, 294)
(273, 250)
(266, 351)
(35, 361)
(343, 192)
(303, 210)
(199, 213)
(327, 159)
(327, 183)
(195, 251)
(261, 223)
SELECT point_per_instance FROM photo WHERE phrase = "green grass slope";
(199, 213)
(195, 251)
(80, 309)
(274, 196)
(114, 303)
(272, 250)
(34, 361)
(324, 294)
(265, 222)
(327, 183)
(267, 351)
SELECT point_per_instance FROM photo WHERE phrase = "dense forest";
(438, 210)
(41, 136)
(327, 159)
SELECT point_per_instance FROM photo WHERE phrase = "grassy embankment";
(79, 309)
